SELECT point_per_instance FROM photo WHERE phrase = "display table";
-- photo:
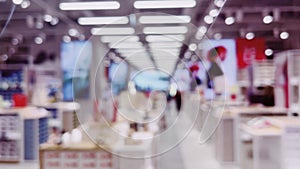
(74, 156)
(271, 147)
(63, 114)
(227, 134)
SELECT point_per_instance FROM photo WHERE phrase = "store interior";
(149, 84)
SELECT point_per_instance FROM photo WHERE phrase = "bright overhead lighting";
(112, 39)
(219, 3)
(126, 45)
(250, 35)
(38, 40)
(47, 18)
(17, 2)
(268, 19)
(25, 4)
(164, 38)
(268, 52)
(192, 47)
(73, 32)
(229, 20)
(214, 12)
(165, 45)
(112, 31)
(164, 19)
(166, 30)
(54, 21)
(93, 5)
(208, 19)
(201, 32)
(284, 35)
(164, 4)
(66, 38)
(103, 20)
(218, 36)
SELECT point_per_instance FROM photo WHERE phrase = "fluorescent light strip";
(112, 31)
(114, 20)
(111, 39)
(99, 5)
(165, 45)
(131, 45)
(164, 19)
(164, 4)
(164, 38)
(166, 30)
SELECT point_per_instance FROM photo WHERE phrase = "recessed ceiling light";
(218, 36)
(99, 5)
(38, 40)
(250, 35)
(73, 32)
(17, 2)
(201, 32)
(164, 19)
(112, 31)
(164, 4)
(103, 20)
(268, 19)
(47, 18)
(229, 20)
(54, 21)
(214, 12)
(112, 39)
(208, 19)
(25, 4)
(192, 47)
(166, 30)
(164, 38)
(219, 3)
(66, 38)
(268, 52)
(284, 35)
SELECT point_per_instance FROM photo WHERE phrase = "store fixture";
(270, 142)
(288, 80)
(13, 81)
(228, 133)
(22, 129)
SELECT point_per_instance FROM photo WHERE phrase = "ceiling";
(139, 44)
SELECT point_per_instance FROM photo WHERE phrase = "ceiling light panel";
(164, 38)
(126, 45)
(93, 5)
(165, 45)
(112, 31)
(114, 20)
(114, 39)
(164, 19)
(166, 30)
(164, 4)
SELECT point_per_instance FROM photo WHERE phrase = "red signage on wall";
(249, 50)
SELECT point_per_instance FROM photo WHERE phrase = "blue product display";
(43, 130)
(10, 84)
(30, 152)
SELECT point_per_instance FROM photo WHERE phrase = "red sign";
(249, 50)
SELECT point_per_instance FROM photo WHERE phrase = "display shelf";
(30, 130)
(10, 141)
(13, 81)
